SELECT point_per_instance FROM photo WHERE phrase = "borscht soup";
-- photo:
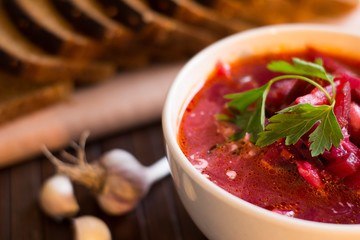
(281, 131)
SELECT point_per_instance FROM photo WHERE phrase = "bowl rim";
(171, 138)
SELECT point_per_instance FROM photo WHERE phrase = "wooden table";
(159, 216)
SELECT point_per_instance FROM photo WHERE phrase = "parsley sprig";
(292, 122)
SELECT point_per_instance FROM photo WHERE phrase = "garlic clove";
(119, 195)
(124, 184)
(127, 181)
(121, 161)
(112, 205)
(57, 198)
(90, 228)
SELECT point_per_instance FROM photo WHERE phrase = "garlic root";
(89, 175)
(90, 228)
(118, 180)
(57, 198)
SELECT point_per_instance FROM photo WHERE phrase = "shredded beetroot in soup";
(284, 178)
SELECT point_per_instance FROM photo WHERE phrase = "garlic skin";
(90, 228)
(57, 198)
(125, 183)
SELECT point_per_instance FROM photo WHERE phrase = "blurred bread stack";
(50, 47)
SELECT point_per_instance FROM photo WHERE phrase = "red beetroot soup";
(280, 178)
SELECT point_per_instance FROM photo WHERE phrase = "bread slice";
(280, 11)
(18, 56)
(193, 13)
(89, 18)
(251, 10)
(44, 27)
(21, 96)
(169, 39)
(328, 8)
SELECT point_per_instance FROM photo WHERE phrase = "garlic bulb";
(118, 180)
(127, 181)
(90, 228)
(57, 197)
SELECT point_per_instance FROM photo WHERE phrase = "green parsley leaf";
(327, 133)
(257, 120)
(241, 101)
(290, 123)
(301, 67)
(249, 121)
(293, 122)
(239, 120)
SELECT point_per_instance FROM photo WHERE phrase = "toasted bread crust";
(28, 61)
(21, 96)
(39, 22)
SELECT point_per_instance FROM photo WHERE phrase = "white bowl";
(217, 213)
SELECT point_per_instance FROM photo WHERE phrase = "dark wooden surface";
(160, 215)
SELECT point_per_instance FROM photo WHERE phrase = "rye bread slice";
(20, 96)
(195, 14)
(121, 44)
(280, 11)
(19, 57)
(169, 38)
(39, 22)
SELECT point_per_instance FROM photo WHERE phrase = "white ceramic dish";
(218, 214)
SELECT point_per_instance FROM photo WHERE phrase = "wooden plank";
(5, 204)
(25, 214)
(56, 230)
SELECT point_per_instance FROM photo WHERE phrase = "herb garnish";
(292, 122)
